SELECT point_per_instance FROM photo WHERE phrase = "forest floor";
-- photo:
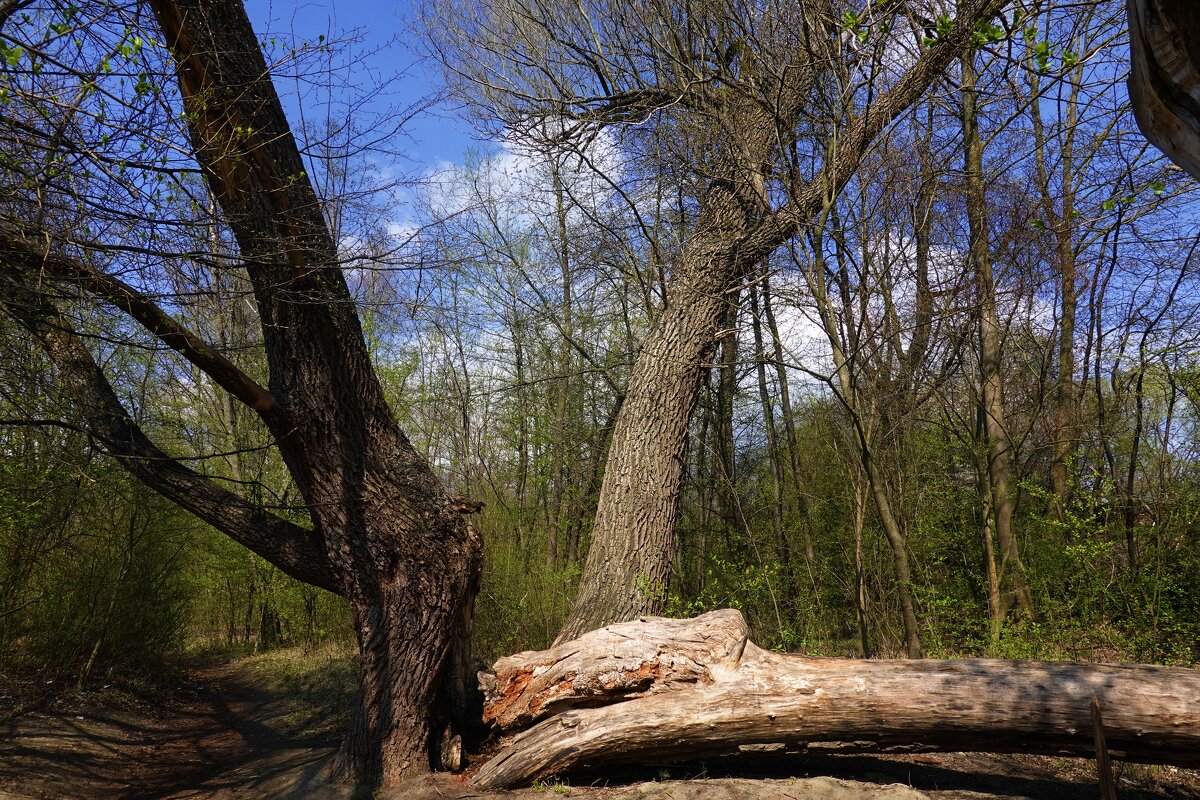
(261, 728)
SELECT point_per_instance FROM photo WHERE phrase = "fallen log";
(729, 693)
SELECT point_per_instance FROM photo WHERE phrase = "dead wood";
(659, 689)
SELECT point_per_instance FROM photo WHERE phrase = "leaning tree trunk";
(738, 226)
(629, 562)
(681, 689)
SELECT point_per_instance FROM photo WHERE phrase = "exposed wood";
(1164, 83)
(632, 659)
(720, 701)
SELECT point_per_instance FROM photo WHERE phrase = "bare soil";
(229, 732)
(225, 733)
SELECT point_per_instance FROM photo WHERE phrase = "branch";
(293, 549)
(843, 162)
(35, 259)
(245, 147)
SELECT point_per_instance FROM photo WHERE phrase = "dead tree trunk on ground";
(698, 687)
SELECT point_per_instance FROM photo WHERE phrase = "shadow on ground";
(230, 735)
(224, 735)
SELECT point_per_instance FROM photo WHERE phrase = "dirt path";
(225, 734)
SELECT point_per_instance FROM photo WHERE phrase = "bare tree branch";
(293, 549)
(37, 260)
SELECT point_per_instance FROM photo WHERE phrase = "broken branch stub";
(617, 662)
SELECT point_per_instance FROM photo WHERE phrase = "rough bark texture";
(629, 562)
(743, 695)
(404, 556)
(1164, 83)
(384, 533)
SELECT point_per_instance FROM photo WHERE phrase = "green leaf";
(12, 55)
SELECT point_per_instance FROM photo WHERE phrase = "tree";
(381, 530)
(998, 505)
(768, 110)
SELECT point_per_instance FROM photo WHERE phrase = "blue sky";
(438, 137)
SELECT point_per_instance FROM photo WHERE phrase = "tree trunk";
(628, 565)
(789, 419)
(999, 448)
(1062, 213)
(899, 548)
(685, 689)
(864, 418)
(997, 611)
(400, 550)
(562, 436)
(732, 519)
(860, 583)
(384, 533)
(783, 547)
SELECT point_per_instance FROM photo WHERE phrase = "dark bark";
(384, 533)
(403, 555)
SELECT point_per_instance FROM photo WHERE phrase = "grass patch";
(318, 685)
